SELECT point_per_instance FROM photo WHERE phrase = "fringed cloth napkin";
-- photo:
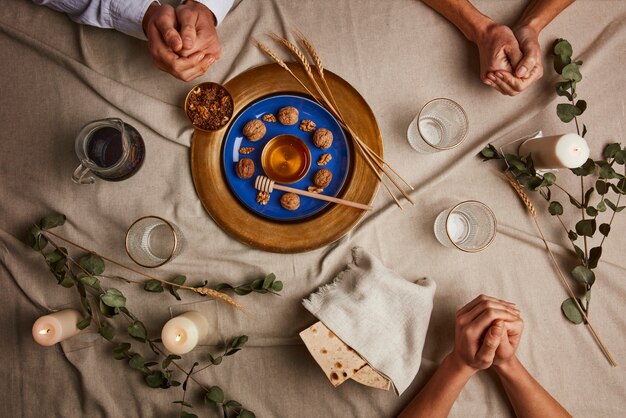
(379, 314)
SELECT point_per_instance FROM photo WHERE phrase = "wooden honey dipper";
(265, 184)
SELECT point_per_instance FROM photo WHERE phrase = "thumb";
(492, 340)
(525, 66)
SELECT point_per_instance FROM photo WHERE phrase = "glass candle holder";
(152, 241)
(440, 125)
(469, 226)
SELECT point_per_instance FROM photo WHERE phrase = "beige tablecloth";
(57, 75)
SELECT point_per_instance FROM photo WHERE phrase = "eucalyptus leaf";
(91, 281)
(106, 310)
(242, 291)
(106, 331)
(562, 48)
(584, 130)
(179, 280)
(269, 279)
(582, 105)
(121, 351)
(138, 331)
(591, 211)
(169, 359)
(571, 72)
(257, 284)
(277, 286)
(573, 236)
(153, 285)
(216, 360)
(604, 229)
(232, 404)
(580, 254)
(67, 279)
(92, 263)
(549, 179)
(84, 323)
(555, 208)
(588, 168)
(594, 256)
(583, 275)
(562, 88)
(602, 187)
(610, 150)
(137, 362)
(571, 311)
(586, 227)
(214, 395)
(187, 404)
(620, 157)
(36, 240)
(244, 413)
(566, 112)
(113, 298)
(611, 205)
(52, 221)
(157, 379)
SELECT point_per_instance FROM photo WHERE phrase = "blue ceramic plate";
(244, 189)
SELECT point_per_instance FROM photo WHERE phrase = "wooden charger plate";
(285, 237)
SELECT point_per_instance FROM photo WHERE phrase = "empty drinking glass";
(469, 226)
(440, 125)
(152, 241)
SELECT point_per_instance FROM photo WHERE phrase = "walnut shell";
(322, 177)
(323, 138)
(288, 115)
(245, 168)
(254, 130)
(290, 201)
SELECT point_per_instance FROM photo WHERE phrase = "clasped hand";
(487, 332)
(510, 60)
(182, 41)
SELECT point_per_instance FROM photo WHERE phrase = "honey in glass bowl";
(286, 159)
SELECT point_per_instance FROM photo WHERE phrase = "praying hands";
(510, 58)
(487, 334)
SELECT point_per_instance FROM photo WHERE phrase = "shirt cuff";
(219, 8)
(127, 16)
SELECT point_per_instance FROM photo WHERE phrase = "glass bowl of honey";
(286, 159)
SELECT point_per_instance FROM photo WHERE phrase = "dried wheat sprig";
(320, 71)
(531, 208)
(362, 147)
(201, 290)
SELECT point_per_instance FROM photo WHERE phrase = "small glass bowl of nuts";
(209, 106)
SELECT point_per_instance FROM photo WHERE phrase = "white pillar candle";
(56, 327)
(182, 333)
(558, 151)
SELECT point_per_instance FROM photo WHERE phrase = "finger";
(487, 350)
(489, 304)
(483, 298)
(166, 24)
(187, 20)
(478, 326)
(504, 87)
(198, 70)
(514, 55)
(514, 329)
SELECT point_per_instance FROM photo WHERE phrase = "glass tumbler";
(440, 125)
(152, 241)
(469, 226)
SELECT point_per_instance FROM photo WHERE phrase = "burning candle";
(181, 334)
(558, 151)
(56, 327)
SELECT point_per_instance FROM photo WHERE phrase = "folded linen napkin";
(379, 314)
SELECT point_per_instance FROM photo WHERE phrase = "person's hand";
(197, 30)
(509, 342)
(498, 50)
(164, 41)
(480, 328)
(528, 70)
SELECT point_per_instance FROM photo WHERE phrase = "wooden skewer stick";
(265, 184)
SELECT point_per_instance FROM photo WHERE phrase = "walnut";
(323, 138)
(288, 115)
(290, 201)
(245, 168)
(315, 189)
(246, 150)
(254, 130)
(324, 159)
(262, 198)
(322, 177)
(268, 117)
(307, 125)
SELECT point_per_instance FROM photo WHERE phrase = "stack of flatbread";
(338, 361)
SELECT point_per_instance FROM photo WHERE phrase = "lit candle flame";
(45, 331)
(178, 337)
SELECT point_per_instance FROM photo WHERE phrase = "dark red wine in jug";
(105, 147)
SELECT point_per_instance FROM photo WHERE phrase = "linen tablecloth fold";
(378, 313)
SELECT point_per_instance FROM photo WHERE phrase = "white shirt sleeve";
(123, 15)
(219, 8)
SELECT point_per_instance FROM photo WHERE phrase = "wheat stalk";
(531, 208)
